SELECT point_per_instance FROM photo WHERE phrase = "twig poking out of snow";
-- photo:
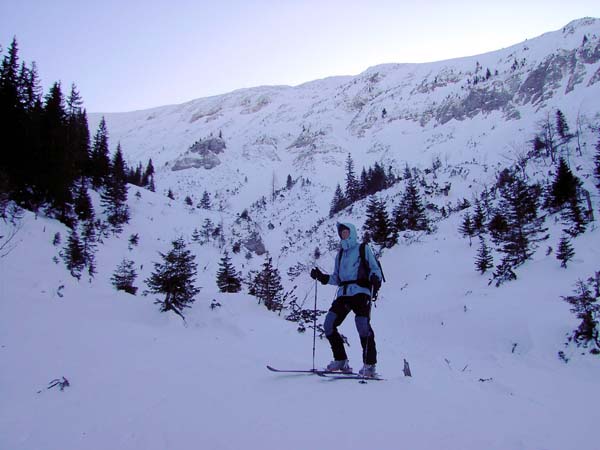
(61, 383)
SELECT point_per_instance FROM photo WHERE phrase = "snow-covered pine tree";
(409, 214)
(484, 260)
(228, 279)
(205, 201)
(586, 305)
(562, 128)
(174, 277)
(267, 285)
(378, 227)
(124, 277)
(565, 251)
(352, 185)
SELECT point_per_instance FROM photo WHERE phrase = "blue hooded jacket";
(346, 267)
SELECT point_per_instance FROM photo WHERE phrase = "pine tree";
(520, 202)
(170, 194)
(352, 186)
(466, 228)
(175, 277)
(228, 279)
(74, 255)
(479, 218)
(378, 227)
(504, 272)
(564, 187)
(562, 128)
(410, 212)
(289, 182)
(83, 203)
(205, 201)
(88, 245)
(585, 304)
(484, 260)
(565, 251)
(267, 286)
(99, 169)
(124, 277)
(338, 203)
(574, 219)
(148, 177)
(114, 196)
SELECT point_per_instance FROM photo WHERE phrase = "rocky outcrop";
(203, 154)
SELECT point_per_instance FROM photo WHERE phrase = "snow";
(486, 374)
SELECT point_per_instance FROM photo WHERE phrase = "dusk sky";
(128, 55)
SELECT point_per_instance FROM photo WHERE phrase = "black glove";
(316, 274)
(376, 283)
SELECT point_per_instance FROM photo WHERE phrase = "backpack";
(363, 269)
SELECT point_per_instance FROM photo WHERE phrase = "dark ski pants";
(340, 308)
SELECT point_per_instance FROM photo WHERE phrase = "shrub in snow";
(124, 277)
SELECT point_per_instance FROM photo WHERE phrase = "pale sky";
(127, 55)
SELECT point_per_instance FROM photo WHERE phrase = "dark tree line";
(371, 181)
(48, 160)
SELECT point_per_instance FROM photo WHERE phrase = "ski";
(323, 372)
(352, 376)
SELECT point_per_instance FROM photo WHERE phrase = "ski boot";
(341, 366)
(368, 371)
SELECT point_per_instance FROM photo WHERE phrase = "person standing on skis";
(356, 279)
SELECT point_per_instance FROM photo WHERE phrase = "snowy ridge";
(486, 374)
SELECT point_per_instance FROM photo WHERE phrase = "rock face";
(203, 154)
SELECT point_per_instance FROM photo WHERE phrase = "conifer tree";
(114, 196)
(564, 187)
(267, 286)
(205, 201)
(338, 203)
(466, 228)
(565, 251)
(484, 260)
(99, 170)
(574, 219)
(228, 279)
(74, 255)
(519, 202)
(378, 227)
(410, 212)
(148, 177)
(83, 203)
(352, 186)
(124, 277)
(562, 128)
(479, 218)
(175, 278)
(586, 305)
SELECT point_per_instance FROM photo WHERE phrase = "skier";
(356, 279)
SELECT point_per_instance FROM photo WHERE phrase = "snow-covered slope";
(486, 374)
(393, 113)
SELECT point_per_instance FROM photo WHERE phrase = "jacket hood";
(352, 239)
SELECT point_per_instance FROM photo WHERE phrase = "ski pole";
(314, 327)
